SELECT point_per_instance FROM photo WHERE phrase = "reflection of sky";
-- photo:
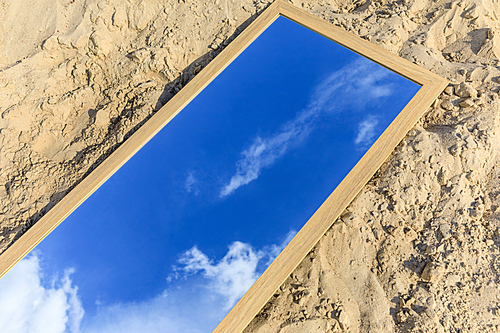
(192, 220)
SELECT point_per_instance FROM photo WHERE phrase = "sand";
(416, 251)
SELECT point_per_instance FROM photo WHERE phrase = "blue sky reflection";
(176, 237)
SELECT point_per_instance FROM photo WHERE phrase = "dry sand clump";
(417, 250)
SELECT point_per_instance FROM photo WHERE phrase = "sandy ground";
(417, 250)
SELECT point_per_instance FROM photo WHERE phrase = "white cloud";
(351, 87)
(237, 271)
(232, 276)
(366, 131)
(194, 303)
(27, 306)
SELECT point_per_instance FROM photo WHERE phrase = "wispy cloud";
(178, 311)
(190, 185)
(26, 305)
(264, 152)
(351, 87)
(366, 131)
(272, 251)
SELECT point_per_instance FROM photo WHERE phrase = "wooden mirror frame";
(267, 284)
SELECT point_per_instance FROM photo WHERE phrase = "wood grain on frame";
(258, 295)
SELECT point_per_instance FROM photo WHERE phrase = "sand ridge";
(417, 250)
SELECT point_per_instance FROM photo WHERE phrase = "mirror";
(178, 234)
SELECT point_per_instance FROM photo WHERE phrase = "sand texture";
(417, 250)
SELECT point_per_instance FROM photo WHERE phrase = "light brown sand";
(417, 251)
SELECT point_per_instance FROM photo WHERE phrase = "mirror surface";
(174, 239)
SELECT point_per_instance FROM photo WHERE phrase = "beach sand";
(416, 251)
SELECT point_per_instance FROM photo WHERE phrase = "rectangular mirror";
(175, 237)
